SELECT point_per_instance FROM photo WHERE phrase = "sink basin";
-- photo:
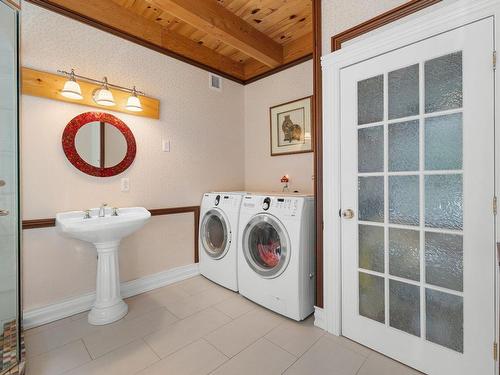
(105, 234)
(102, 229)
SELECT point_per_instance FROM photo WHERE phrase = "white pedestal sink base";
(109, 306)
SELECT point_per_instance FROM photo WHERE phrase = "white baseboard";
(319, 318)
(74, 305)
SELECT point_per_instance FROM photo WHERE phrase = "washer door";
(266, 245)
(215, 233)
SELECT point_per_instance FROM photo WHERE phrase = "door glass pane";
(404, 307)
(443, 142)
(404, 146)
(403, 92)
(443, 83)
(371, 100)
(404, 200)
(444, 319)
(372, 297)
(371, 248)
(371, 198)
(404, 253)
(371, 149)
(444, 260)
(444, 201)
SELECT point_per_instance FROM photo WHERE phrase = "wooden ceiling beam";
(294, 52)
(221, 23)
(120, 21)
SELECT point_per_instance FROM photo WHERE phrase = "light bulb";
(103, 96)
(133, 102)
(71, 88)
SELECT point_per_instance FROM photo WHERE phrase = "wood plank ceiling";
(239, 39)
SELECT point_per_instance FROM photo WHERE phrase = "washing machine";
(276, 253)
(218, 237)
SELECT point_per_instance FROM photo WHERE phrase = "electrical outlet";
(165, 145)
(125, 185)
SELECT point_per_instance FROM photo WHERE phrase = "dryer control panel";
(284, 206)
(223, 200)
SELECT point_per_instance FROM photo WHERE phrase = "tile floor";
(197, 327)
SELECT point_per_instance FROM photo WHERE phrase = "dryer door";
(215, 233)
(266, 245)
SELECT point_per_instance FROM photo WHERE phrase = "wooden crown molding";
(117, 20)
(392, 15)
(110, 17)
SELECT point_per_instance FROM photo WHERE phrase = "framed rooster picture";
(292, 127)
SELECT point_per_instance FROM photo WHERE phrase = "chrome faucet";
(102, 210)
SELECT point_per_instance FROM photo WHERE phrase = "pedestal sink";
(105, 234)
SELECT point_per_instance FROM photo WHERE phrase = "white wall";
(205, 127)
(340, 15)
(263, 171)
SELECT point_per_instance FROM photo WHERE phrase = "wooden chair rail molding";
(48, 85)
(51, 222)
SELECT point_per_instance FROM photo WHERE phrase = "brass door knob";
(348, 214)
(2, 183)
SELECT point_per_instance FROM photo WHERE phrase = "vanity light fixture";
(71, 88)
(133, 102)
(103, 95)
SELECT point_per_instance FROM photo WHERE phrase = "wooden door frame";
(383, 19)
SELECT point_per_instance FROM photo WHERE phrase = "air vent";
(214, 82)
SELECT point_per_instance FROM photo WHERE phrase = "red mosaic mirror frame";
(69, 146)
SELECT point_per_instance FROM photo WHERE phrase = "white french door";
(417, 185)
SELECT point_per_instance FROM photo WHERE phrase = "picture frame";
(292, 127)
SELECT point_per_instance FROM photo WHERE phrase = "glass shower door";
(9, 191)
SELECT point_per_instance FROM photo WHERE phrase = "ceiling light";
(104, 96)
(71, 88)
(133, 102)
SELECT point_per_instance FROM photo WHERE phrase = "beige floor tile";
(81, 315)
(236, 306)
(349, 344)
(168, 293)
(327, 357)
(168, 340)
(262, 358)
(58, 335)
(295, 337)
(59, 360)
(242, 332)
(195, 285)
(198, 358)
(377, 364)
(52, 325)
(141, 304)
(102, 342)
(127, 360)
(193, 304)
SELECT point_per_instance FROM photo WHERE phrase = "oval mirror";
(99, 144)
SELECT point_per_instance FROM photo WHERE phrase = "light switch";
(125, 184)
(165, 145)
